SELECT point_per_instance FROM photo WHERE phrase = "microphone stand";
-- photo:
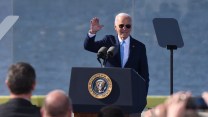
(105, 56)
(102, 63)
(99, 61)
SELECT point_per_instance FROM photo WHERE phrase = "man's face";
(123, 26)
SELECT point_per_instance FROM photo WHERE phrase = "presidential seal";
(100, 86)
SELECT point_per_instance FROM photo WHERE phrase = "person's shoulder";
(20, 105)
(137, 42)
(35, 106)
(5, 104)
(2, 106)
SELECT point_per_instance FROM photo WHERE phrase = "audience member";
(205, 96)
(110, 111)
(57, 104)
(176, 106)
(20, 82)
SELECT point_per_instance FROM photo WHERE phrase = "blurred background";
(50, 35)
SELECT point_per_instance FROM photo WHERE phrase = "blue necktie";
(122, 52)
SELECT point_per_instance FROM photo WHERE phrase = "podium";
(128, 90)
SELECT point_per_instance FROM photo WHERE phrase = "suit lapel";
(118, 55)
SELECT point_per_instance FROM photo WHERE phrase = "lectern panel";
(122, 93)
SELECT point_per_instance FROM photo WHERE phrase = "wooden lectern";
(128, 91)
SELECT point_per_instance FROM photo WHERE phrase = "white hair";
(121, 15)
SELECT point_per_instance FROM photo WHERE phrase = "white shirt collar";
(127, 40)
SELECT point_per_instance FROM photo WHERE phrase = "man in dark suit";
(134, 52)
(21, 82)
(131, 52)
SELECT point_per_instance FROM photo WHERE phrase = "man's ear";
(33, 86)
(7, 83)
(115, 27)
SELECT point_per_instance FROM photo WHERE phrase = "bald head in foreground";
(57, 104)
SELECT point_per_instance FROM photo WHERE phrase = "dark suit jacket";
(137, 54)
(19, 108)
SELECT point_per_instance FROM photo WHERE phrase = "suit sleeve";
(144, 68)
(93, 46)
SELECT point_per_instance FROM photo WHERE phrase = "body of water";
(50, 36)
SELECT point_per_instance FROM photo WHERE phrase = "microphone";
(105, 53)
(102, 52)
(111, 52)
